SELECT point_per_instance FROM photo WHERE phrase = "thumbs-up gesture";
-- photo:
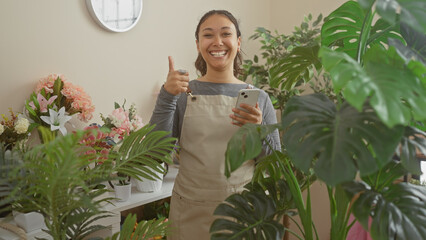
(177, 80)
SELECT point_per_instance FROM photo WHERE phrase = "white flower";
(22, 125)
(57, 120)
(1, 129)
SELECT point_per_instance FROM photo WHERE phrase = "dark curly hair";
(200, 63)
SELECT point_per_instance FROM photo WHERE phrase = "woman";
(202, 122)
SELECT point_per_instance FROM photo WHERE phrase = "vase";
(148, 185)
(123, 192)
(29, 221)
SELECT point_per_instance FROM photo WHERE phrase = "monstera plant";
(374, 51)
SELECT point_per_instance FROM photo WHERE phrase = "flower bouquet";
(13, 130)
(53, 102)
(122, 122)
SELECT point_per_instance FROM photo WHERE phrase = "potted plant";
(378, 76)
(120, 123)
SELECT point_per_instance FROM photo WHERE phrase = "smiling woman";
(115, 16)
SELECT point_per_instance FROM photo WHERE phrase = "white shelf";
(113, 223)
(139, 198)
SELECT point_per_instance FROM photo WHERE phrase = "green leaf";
(245, 144)
(415, 47)
(344, 71)
(58, 85)
(386, 176)
(288, 71)
(412, 12)
(116, 105)
(342, 27)
(395, 101)
(366, 4)
(253, 217)
(348, 29)
(413, 139)
(398, 94)
(398, 212)
(142, 149)
(315, 129)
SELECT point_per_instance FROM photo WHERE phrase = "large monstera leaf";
(395, 89)
(398, 211)
(336, 142)
(287, 72)
(253, 217)
(342, 29)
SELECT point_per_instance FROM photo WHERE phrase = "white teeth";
(218, 54)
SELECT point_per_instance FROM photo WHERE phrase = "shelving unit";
(113, 223)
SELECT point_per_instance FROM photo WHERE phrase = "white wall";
(57, 36)
(40, 37)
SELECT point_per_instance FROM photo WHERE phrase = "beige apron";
(201, 184)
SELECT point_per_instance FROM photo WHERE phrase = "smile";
(218, 53)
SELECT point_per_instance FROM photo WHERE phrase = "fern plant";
(378, 76)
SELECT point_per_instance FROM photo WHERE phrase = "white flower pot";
(29, 221)
(123, 192)
(147, 185)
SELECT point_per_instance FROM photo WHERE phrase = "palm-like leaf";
(380, 79)
(55, 185)
(316, 130)
(143, 230)
(253, 217)
(398, 210)
(287, 72)
(142, 150)
(9, 160)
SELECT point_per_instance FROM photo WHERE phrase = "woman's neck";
(220, 77)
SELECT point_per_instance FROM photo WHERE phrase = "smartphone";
(247, 96)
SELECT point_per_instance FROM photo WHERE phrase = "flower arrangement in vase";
(13, 130)
(119, 124)
(53, 103)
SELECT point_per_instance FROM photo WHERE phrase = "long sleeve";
(165, 114)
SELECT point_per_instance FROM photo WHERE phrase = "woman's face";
(218, 43)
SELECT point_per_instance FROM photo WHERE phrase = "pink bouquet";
(122, 122)
(55, 100)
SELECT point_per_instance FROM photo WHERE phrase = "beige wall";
(39, 37)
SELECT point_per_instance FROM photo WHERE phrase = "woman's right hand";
(177, 81)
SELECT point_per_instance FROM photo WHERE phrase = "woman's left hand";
(253, 115)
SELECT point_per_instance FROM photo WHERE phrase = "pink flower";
(43, 102)
(47, 83)
(120, 119)
(136, 123)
